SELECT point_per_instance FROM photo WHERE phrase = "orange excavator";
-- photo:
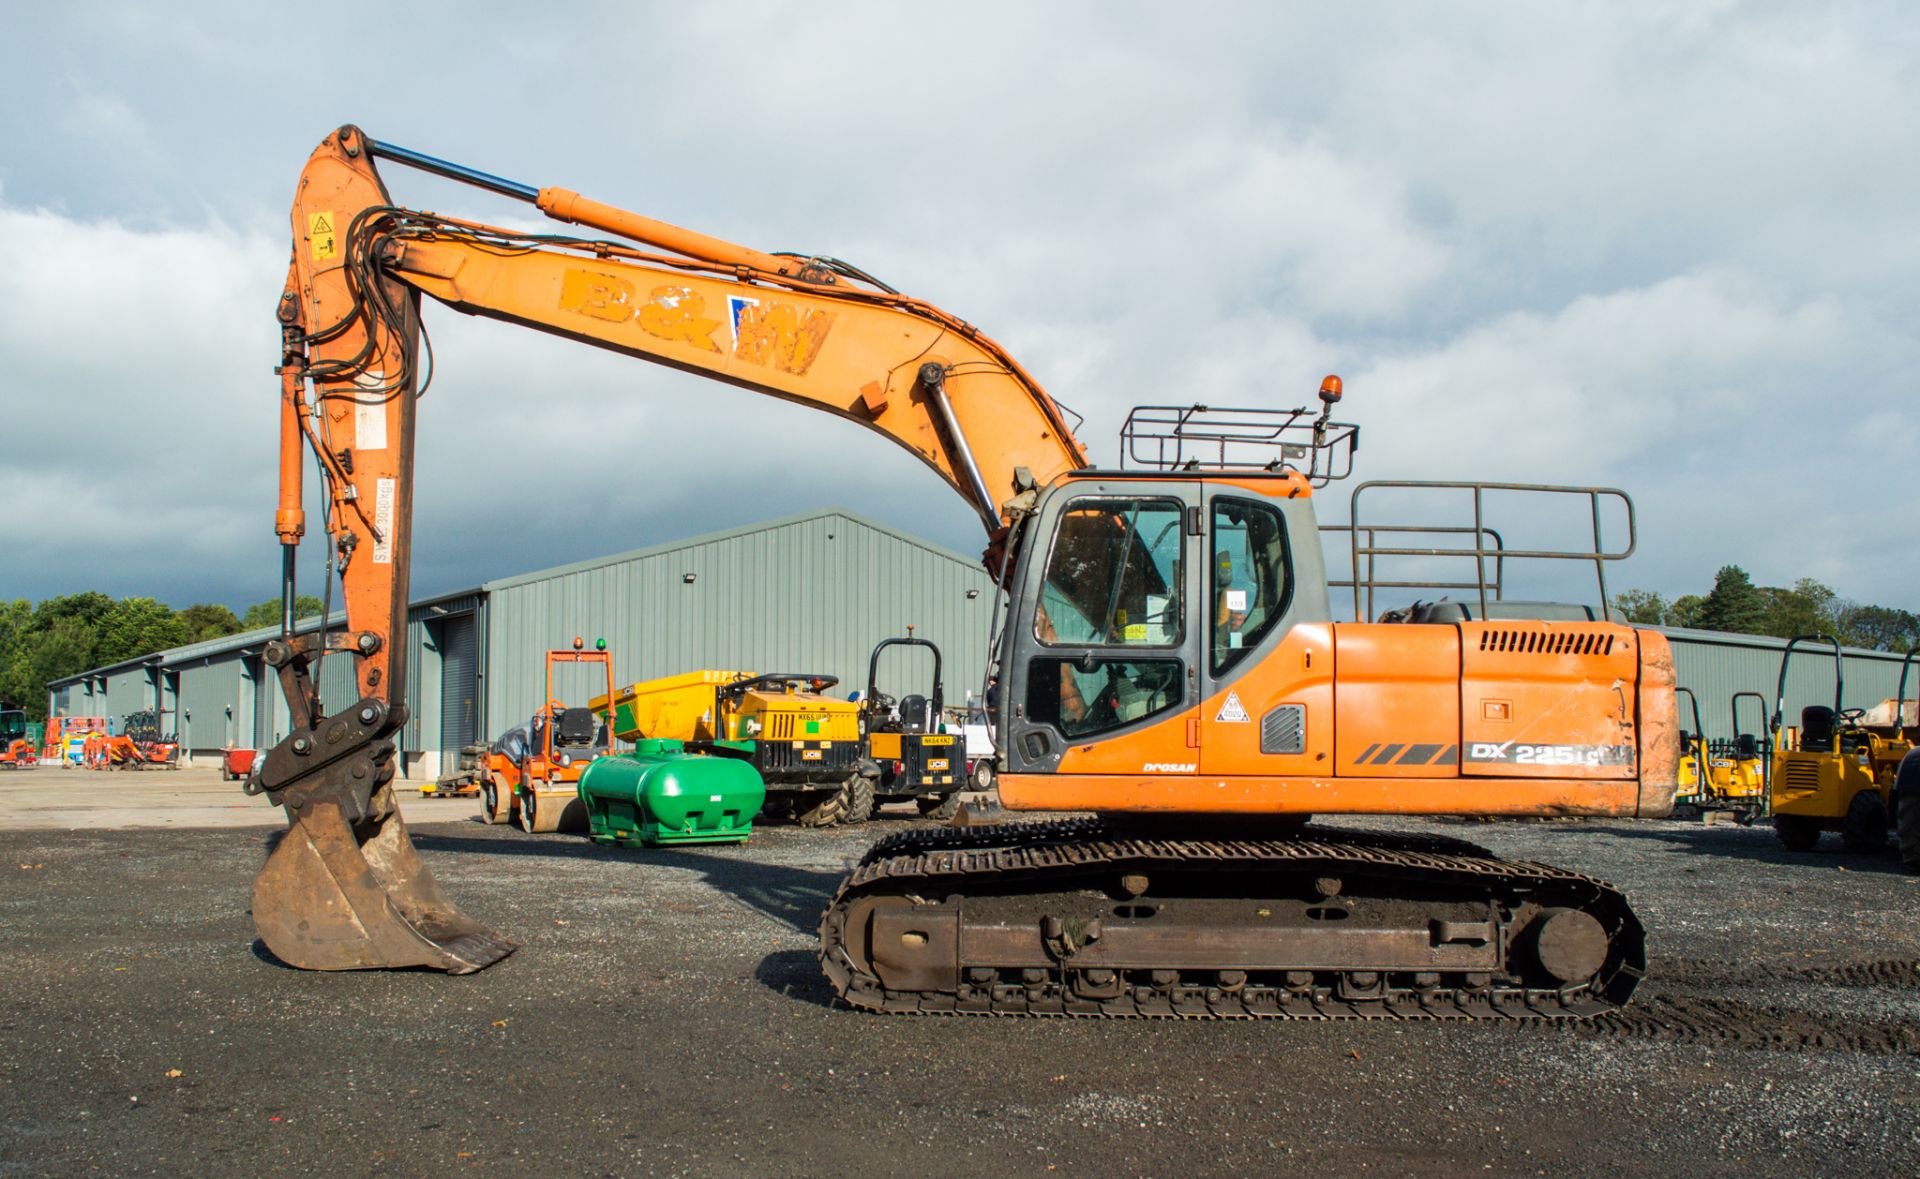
(1169, 660)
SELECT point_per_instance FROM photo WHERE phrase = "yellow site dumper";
(805, 746)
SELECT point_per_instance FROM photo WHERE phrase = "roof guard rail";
(1485, 545)
(1201, 437)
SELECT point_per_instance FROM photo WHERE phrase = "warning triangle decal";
(1232, 713)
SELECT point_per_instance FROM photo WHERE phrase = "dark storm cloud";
(1670, 248)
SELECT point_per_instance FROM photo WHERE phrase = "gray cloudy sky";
(1671, 247)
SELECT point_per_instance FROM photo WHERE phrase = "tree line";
(1738, 606)
(58, 637)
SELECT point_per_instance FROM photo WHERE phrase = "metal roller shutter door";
(459, 679)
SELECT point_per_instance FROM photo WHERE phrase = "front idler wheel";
(1569, 945)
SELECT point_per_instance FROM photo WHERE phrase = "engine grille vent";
(1559, 641)
(1802, 774)
(1284, 730)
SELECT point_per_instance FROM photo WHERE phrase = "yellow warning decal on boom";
(320, 236)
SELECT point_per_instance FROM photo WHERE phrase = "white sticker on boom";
(370, 417)
(1233, 712)
(383, 520)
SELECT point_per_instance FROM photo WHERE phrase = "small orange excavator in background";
(1169, 659)
(533, 771)
(16, 748)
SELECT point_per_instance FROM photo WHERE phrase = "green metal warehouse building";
(811, 593)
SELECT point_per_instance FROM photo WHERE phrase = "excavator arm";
(344, 889)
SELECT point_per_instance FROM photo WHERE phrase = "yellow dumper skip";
(677, 707)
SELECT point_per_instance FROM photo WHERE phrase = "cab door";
(1103, 667)
(1267, 648)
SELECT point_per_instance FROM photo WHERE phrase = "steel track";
(1039, 856)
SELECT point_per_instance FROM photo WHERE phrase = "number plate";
(937, 739)
(812, 754)
(937, 763)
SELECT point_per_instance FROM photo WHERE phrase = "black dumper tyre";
(820, 808)
(859, 801)
(1865, 827)
(1906, 794)
(1797, 833)
(939, 806)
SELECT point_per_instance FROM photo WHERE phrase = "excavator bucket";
(336, 895)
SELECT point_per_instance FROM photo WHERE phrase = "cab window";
(1114, 576)
(1089, 695)
(1249, 578)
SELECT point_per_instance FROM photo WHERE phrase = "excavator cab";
(1141, 596)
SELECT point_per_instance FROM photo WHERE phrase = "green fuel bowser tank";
(660, 793)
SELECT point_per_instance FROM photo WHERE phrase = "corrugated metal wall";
(812, 595)
(1716, 666)
(208, 687)
(128, 691)
(410, 736)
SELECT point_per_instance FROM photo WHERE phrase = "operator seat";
(913, 714)
(1746, 747)
(1816, 729)
(573, 728)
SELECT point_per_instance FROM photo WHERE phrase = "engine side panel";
(1548, 699)
(1397, 701)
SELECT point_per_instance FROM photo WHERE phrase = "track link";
(959, 876)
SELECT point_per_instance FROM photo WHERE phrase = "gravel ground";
(665, 1015)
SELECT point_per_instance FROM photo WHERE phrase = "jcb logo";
(767, 332)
